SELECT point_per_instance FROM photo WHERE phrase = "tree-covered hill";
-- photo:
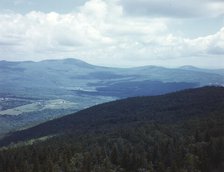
(28, 89)
(178, 132)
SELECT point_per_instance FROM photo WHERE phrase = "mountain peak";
(189, 67)
(69, 61)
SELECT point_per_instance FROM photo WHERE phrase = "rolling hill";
(24, 86)
(169, 108)
(181, 131)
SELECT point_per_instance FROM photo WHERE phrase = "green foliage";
(193, 141)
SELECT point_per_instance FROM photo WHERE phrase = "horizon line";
(184, 67)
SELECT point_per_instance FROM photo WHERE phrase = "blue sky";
(114, 32)
(25, 6)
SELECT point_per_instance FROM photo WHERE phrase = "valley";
(35, 92)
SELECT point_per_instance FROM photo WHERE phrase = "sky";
(119, 33)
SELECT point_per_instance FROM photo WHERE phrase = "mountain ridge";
(178, 132)
(85, 120)
(83, 84)
(72, 60)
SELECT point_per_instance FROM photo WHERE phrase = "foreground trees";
(180, 132)
(143, 148)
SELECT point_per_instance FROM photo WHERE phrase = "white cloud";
(208, 45)
(100, 33)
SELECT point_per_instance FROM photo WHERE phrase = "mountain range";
(35, 92)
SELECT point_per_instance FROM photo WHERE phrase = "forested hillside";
(36, 92)
(178, 132)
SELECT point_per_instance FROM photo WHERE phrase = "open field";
(39, 106)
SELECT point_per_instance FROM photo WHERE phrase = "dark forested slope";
(178, 132)
(167, 108)
(35, 92)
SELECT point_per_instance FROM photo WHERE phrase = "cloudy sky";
(114, 32)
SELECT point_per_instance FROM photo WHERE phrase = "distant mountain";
(189, 67)
(192, 68)
(27, 85)
(181, 131)
(32, 78)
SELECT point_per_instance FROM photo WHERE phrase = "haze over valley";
(111, 86)
(34, 92)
